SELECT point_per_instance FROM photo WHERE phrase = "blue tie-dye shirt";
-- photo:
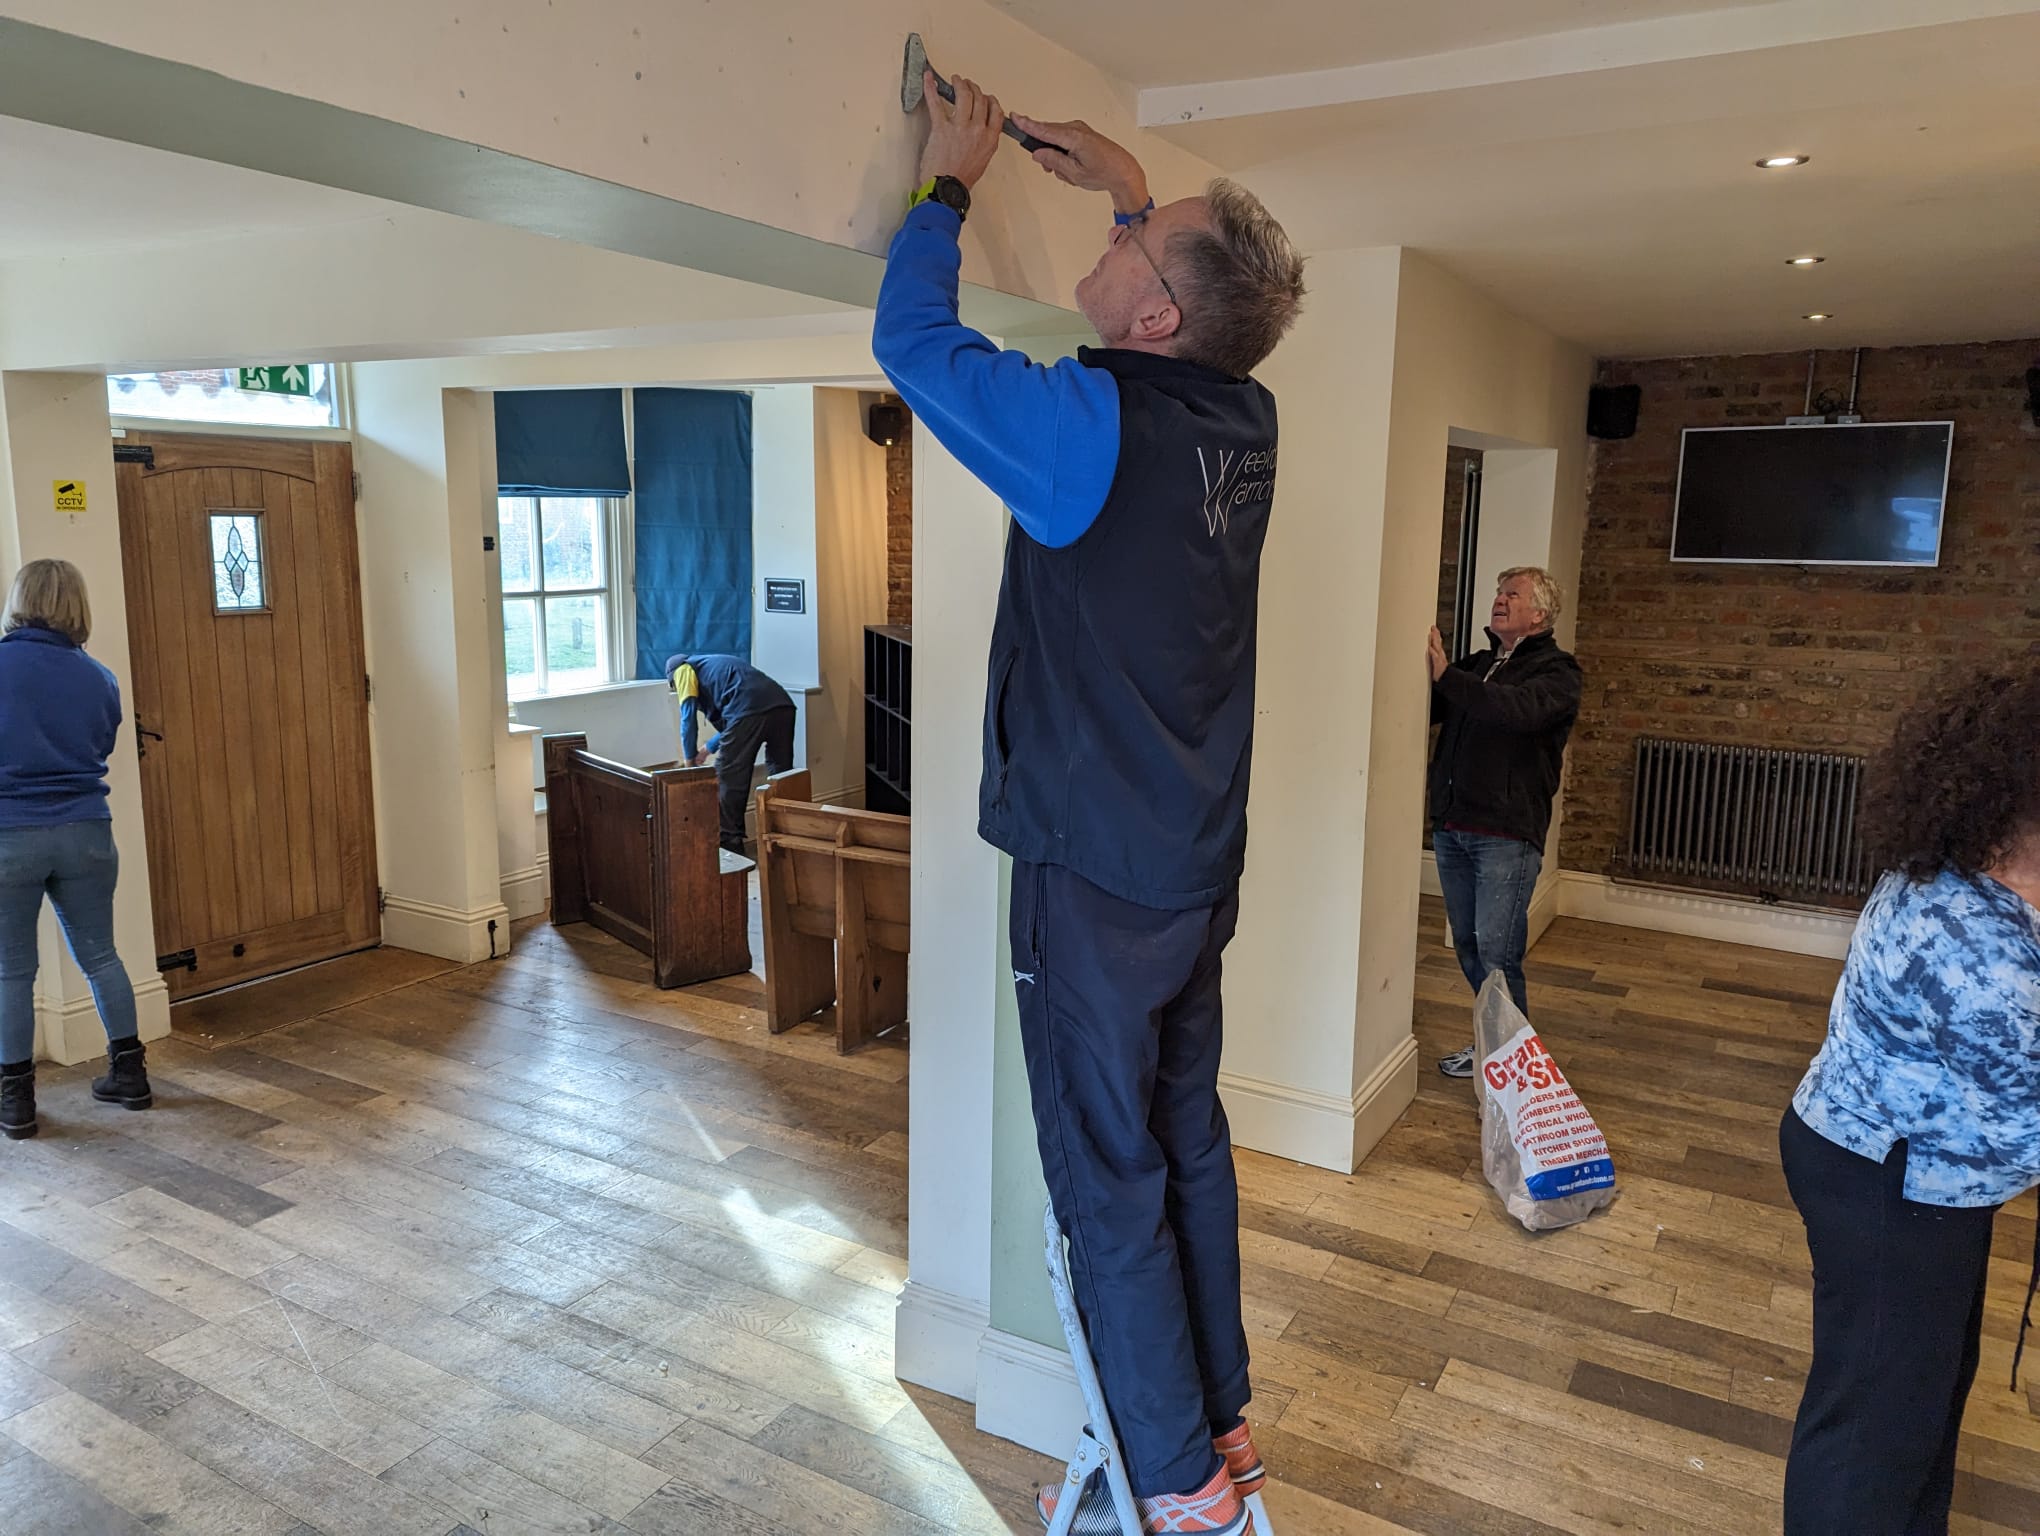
(1934, 1040)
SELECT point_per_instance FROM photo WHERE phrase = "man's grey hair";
(1545, 594)
(1243, 282)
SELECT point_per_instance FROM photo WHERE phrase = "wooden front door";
(250, 703)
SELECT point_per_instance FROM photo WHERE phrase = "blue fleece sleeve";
(1045, 439)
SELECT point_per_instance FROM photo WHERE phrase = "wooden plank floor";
(533, 1248)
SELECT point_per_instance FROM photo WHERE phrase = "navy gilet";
(1119, 719)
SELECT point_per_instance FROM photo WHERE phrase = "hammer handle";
(1012, 130)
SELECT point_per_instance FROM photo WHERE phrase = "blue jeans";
(1487, 883)
(76, 865)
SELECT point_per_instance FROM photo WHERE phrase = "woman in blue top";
(59, 715)
(1921, 1114)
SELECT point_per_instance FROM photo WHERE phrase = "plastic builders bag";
(1540, 1148)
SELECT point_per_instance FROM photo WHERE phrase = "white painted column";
(53, 427)
(1297, 1081)
(427, 460)
(959, 543)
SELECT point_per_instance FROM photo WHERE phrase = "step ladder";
(1098, 1446)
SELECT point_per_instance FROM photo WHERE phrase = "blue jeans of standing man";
(75, 865)
(1487, 883)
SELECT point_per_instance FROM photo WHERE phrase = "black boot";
(127, 1080)
(17, 1100)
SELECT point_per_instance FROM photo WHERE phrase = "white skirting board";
(1325, 1130)
(1698, 915)
(1028, 1393)
(70, 1032)
(525, 891)
(1692, 914)
(935, 1340)
(450, 934)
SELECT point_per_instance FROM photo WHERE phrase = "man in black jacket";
(1506, 713)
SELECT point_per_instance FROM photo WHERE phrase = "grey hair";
(1245, 280)
(1545, 593)
(50, 594)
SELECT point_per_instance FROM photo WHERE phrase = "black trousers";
(1897, 1313)
(737, 756)
(1121, 1024)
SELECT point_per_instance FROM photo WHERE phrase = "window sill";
(582, 693)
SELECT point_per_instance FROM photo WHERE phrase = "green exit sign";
(277, 379)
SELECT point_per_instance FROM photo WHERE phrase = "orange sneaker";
(1213, 1510)
(1242, 1461)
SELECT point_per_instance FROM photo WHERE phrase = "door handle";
(143, 736)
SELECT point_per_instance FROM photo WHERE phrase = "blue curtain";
(693, 520)
(561, 442)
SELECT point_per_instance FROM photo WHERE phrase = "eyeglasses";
(1133, 234)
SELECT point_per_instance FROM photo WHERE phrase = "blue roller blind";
(561, 442)
(693, 523)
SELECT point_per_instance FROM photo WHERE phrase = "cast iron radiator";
(1774, 824)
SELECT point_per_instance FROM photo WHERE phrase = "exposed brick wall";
(899, 528)
(1820, 658)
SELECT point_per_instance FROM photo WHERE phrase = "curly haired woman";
(1921, 1114)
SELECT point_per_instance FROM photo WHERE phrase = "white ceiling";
(1587, 162)
(70, 194)
(1163, 42)
(1596, 177)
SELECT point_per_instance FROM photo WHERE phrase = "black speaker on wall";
(886, 425)
(1611, 409)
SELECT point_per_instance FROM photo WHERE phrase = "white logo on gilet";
(1233, 479)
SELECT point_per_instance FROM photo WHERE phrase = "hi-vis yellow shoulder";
(69, 495)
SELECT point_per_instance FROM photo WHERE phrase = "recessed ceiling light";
(1781, 162)
(1820, 315)
(1804, 261)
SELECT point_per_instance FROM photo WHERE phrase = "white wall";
(636, 723)
(420, 450)
(785, 646)
(54, 427)
(954, 977)
(1461, 362)
(1291, 975)
(850, 592)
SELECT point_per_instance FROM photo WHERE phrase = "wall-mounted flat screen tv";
(1872, 494)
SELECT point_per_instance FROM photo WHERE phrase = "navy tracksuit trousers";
(1121, 1023)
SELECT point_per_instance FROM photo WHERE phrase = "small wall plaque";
(785, 596)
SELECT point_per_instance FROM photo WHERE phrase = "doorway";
(250, 703)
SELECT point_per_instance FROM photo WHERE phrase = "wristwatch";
(946, 190)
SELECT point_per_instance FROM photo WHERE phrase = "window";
(215, 396)
(559, 616)
(238, 564)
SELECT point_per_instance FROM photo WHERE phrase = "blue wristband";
(1133, 218)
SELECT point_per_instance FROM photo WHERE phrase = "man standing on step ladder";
(1118, 732)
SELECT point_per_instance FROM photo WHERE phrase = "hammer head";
(910, 73)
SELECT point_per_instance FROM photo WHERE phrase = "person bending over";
(1118, 732)
(749, 711)
(1921, 1114)
(1506, 713)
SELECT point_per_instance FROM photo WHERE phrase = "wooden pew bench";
(834, 885)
